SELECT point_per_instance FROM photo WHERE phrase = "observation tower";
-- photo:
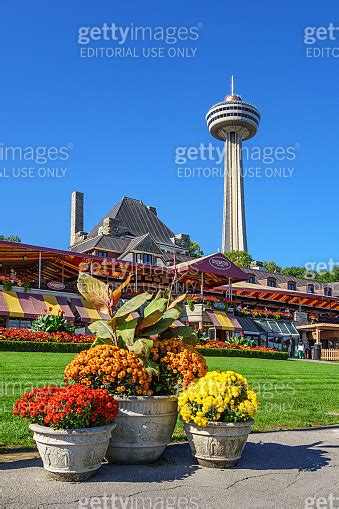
(233, 121)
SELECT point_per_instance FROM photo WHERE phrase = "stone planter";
(72, 454)
(219, 444)
(144, 428)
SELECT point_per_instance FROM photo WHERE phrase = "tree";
(195, 250)
(272, 266)
(10, 238)
(240, 258)
(294, 271)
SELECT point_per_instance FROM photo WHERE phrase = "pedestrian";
(301, 350)
(307, 349)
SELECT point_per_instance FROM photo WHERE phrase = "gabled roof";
(104, 242)
(144, 243)
(137, 218)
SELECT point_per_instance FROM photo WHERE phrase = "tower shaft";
(234, 222)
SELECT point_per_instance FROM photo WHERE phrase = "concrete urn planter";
(144, 428)
(219, 444)
(72, 454)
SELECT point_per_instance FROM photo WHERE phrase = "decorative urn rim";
(38, 428)
(220, 424)
(174, 397)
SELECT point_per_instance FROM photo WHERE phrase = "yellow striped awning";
(220, 320)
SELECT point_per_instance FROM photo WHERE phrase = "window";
(328, 292)
(272, 282)
(104, 254)
(291, 285)
(19, 324)
(251, 279)
(144, 258)
(310, 288)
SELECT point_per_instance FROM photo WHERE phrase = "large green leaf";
(101, 329)
(126, 330)
(97, 293)
(151, 366)
(157, 304)
(132, 305)
(150, 320)
(177, 332)
(168, 318)
(177, 301)
(101, 341)
(141, 347)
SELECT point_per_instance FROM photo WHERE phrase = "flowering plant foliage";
(234, 346)
(111, 367)
(67, 407)
(51, 337)
(218, 396)
(179, 365)
(262, 313)
(52, 323)
(122, 372)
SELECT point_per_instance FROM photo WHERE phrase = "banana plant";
(137, 322)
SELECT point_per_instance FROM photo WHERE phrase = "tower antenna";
(232, 85)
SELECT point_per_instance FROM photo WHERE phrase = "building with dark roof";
(131, 231)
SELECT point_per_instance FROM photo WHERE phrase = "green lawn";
(291, 394)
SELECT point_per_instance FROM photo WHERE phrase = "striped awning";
(30, 305)
(220, 320)
(86, 312)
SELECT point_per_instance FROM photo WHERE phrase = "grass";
(291, 394)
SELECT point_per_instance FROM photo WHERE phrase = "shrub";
(52, 323)
(218, 396)
(68, 407)
(32, 346)
(233, 352)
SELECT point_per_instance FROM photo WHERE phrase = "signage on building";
(300, 318)
(56, 285)
(219, 305)
(219, 262)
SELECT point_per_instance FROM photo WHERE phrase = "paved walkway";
(285, 469)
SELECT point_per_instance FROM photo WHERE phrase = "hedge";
(33, 346)
(233, 352)
(43, 346)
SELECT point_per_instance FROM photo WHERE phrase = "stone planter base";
(219, 444)
(144, 428)
(73, 454)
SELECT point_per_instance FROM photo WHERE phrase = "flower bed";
(261, 313)
(237, 346)
(46, 337)
(258, 353)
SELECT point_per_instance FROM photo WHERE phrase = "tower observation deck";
(233, 121)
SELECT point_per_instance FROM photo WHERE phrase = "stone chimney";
(77, 218)
(109, 226)
(152, 209)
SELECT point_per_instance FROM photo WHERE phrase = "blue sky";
(121, 120)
